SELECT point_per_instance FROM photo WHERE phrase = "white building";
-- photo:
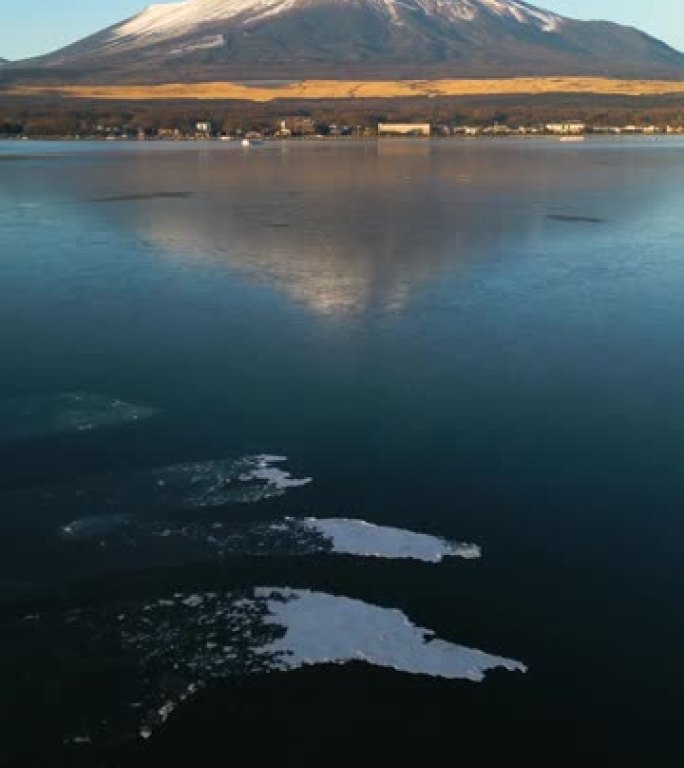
(569, 128)
(403, 129)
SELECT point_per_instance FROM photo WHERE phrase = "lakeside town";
(303, 126)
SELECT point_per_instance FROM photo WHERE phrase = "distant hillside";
(318, 90)
(204, 40)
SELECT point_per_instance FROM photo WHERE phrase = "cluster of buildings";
(562, 128)
(306, 126)
(297, 125)
(302, 126)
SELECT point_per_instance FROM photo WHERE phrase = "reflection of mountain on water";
(338, 228)
(346, 228)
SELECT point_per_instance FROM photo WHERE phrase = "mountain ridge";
(281, 39)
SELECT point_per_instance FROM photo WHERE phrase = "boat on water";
(572, 138)
(251, 142)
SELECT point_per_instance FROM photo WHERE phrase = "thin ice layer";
(23, 418)
(152, 492)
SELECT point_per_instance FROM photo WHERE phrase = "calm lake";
(217, 362)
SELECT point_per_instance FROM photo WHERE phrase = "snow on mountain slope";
(167, 21)
(175, 20)
(204, 40)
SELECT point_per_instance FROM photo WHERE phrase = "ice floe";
(263, 468)
(179, 643)
(206, 636)
(35, 416)
(323, 629)
(358, 537)
(207, 539)
(151, 492)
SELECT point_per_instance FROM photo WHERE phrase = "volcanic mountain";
(365, 39)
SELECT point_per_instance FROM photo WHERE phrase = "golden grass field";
(357, 89)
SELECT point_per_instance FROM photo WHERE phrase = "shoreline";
(235, 140)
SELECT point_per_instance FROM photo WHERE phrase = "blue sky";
(39, 26)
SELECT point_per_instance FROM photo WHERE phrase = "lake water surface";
(204, 347)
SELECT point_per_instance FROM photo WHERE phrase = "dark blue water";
(480, 340)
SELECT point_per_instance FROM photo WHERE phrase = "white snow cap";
(168, 21)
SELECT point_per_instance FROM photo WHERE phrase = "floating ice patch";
(173, 646)
(42, 416)
(263, 469)
(323, 629)
(194, 540)
(193, 485)
(213, 483)
(210, 636)
(199, 539)
(357, 537)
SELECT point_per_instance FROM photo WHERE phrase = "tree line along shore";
(52, 116)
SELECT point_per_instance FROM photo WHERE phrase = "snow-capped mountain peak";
(168, 21)
(359, 39)
(178, 19)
